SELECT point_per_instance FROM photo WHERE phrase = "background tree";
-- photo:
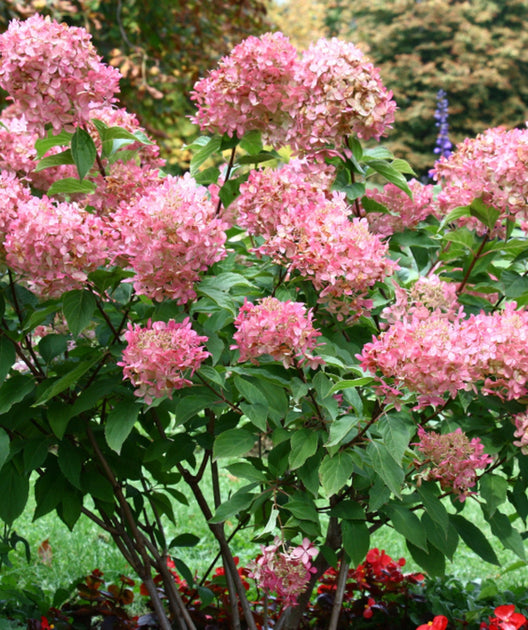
(162, 48)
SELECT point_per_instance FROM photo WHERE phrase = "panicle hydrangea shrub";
(168, 236)
(452, 459)
(54, 73)
(406, 212)
(253, 89)
(55, 246)
(284, 571)
(159, 358)
(343, 96)
(493, 166)
(284, 330)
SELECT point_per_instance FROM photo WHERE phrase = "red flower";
(368, 612)
(438, 623)
(506, 619)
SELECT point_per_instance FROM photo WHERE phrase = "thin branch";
(227, 175)
(473, 262)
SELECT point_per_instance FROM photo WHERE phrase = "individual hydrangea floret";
(452, 459)
(54, 73)
(160, 357)
(285, 572)
(343, 96)
(56, 246)
(253, 89)
(283, 330)
(405, 212)
(168, 236)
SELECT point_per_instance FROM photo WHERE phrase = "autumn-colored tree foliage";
(162, 48)
(476, 50)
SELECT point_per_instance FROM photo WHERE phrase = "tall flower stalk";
(443, 147)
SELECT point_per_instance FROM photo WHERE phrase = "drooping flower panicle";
(285, 572)
(452, 459)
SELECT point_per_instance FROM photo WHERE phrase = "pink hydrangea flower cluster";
(452, 459)
(284, 330)
(55, 246)
(124, 183)
(343, 96)
(424, 355)
(284, 572)
(268, 195)
(435, 355)
(169, 236)
(498, 346)
(405, 212)
(342, 258)
(308, 230)
(428, 294)
(494, 166)
(53, 72)
(160, 357)
(521, 431)
(330, 92)
(252, 89)
(18, 152)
